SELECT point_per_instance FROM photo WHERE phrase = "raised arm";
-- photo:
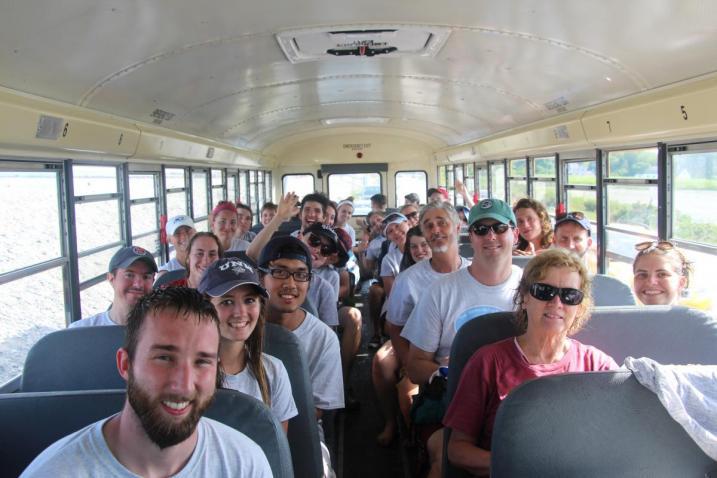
(286, 209)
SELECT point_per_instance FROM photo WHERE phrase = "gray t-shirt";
(330, 275)
(391, 263)
(172, 265)
(220, 451)
(321, 347)
(282, 402)
(374, 247)
(323, 297)
(409, 286)
(450, 302)
(103, 318)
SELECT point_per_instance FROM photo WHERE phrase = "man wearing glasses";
(285, 266)
(487, 285)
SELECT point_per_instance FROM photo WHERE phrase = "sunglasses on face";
(497, 228)
(661, 245)
(325, 249)
(546, 292)
(412, 215)
(282, 274)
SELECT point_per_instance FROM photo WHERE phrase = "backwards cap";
(285, 247)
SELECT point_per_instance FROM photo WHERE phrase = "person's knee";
(435, 445)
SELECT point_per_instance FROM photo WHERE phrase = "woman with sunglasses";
(234, 290)
(661, 273)
(536, 231)
(553, 302)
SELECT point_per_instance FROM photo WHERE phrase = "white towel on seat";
(688, 393)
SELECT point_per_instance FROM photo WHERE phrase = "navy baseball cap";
(127, 256)
(324, 231)
(227, 274)
(285, 247)
(576, 217)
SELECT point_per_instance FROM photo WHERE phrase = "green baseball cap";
(492, 209)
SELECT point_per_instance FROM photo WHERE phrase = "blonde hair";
(537, 269)
(672, 253)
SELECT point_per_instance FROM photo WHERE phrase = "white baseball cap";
(176, 222)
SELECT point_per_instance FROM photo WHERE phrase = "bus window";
(144, 210)
(217, 186)
(518, 180)
(361, 186)
(408, 182)
(497, 180)
(176, 184)
(580, 185)
(200, 209)
(543, 182)
(301, 184)
(631, 207)
(232, 187)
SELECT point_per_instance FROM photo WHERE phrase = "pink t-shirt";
(496, 369)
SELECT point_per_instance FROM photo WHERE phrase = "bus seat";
(465, 250)
(33, 421)
(667, 334)
(83, 358)
(521, 261)
(611, 291)
(168, 277)
(591, 425)
(303, 432)
(474, 334)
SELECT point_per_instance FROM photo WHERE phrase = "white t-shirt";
(374, 247)
(323, 297)
(282, 401)
(321, 347)
(409, 286)
(103, 318)
(449, 303)
(172, 265)
(238, 244)
(220, 451)
(391, 263)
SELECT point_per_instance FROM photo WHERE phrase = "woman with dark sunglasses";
(553, 302)
(661, 273)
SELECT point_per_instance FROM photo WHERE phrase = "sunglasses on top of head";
(324, 249)
(661, 245)
(546, 292)
(482, 229)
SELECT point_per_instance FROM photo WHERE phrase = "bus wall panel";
(78, 133)
(684, 112)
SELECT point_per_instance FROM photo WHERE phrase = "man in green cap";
(486, 286)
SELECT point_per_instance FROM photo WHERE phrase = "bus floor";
(358, 453)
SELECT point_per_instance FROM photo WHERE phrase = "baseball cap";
(492, 209)
(227, 274)
(176, 222)
(324, 231)
(393, 218)
(443, 191)
(344, 246)
(127, 256)
(575, 216)
(284, 247)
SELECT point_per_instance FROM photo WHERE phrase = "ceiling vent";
(364, 40)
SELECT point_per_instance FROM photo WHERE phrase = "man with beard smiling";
(170, 362)
(131, 274)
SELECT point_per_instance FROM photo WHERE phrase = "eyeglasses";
(325, 249)
(573, 215)
(282, 274)
(546, 292)
(482, 229)
(661, 245)
(412, 215)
